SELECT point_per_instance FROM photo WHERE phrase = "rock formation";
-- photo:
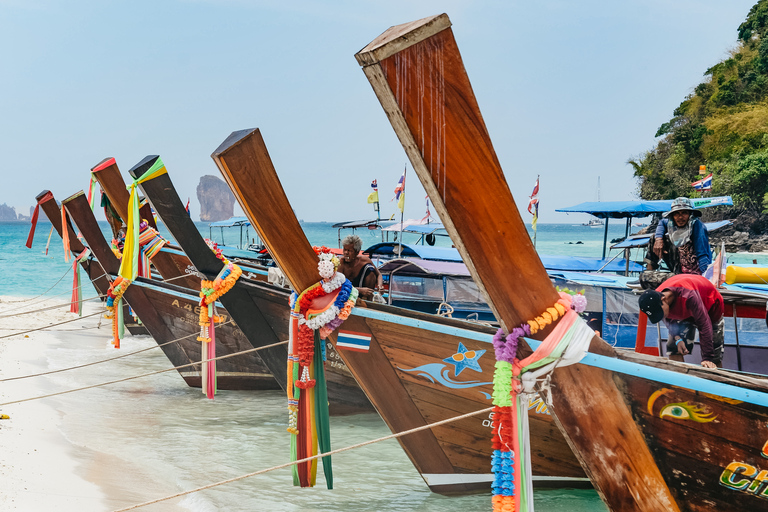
(7, 212)
(216, 200)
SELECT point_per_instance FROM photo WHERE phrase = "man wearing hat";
(686, 301)
(681, 240)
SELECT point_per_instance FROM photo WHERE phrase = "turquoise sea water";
(246, 425)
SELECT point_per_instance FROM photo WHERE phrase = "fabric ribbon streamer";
(77, 296)
(65, 233)
(315, 314)
(92, 188)
(115, 308)
(47, 197)
(210, 291)
(514, 380)
(129, 266)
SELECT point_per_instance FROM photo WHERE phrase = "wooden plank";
(108, 175)
(427, 96)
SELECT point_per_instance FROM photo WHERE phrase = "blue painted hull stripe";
(252, 270)
(420, 324)
(607, 363)
(173, 293)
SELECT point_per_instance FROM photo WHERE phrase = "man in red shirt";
(683, 301)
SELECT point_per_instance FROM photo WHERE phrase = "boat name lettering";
(744, 477)
(193, 271)
(196, 309)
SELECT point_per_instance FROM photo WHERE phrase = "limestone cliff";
(216, 200)
(7, 212)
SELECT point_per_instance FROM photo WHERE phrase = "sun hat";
(650, 304)
(682, 204)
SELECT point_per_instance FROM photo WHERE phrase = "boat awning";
(414, 226)
(641, 240)
(231, 222)
(425, 252)
(624, 209)
(354, 224)
(425, 229)
(579, 264)
(425, 267)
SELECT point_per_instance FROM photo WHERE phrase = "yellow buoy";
(755, 275)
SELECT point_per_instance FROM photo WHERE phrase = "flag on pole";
(704, 183)
(429, 214)
(373, 197)
(400, 193)
(187, 208)
(533, 204)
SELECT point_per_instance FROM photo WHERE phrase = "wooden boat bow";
(418, 75)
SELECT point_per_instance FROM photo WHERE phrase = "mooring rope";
(94, 363)
(227, 356)
(46, 291)
(58, 306)
(318, 456)
(68, 292)
(50, 325)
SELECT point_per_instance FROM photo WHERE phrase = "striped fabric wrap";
(150, 241)
(514, 380)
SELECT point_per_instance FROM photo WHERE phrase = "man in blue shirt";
(682, 242)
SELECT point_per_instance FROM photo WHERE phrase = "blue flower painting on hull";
(464, 358)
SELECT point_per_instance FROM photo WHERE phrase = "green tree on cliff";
(723, 124)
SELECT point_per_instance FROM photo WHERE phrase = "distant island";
(217, 202)
(8, 213)
(721, 128)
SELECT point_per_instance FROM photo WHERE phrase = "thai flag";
(354, 341)
(374, 185)
(400, 188)
(534, 202)
(704, 183)
(187, 208)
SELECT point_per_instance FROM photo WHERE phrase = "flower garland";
(210, 292)
(511, 488)
(114, 310)
(307, 396)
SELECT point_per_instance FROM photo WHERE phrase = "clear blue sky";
(569, 91)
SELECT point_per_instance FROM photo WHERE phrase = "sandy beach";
(41, 468)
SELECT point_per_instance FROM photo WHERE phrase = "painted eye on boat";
(676, 411)
(687, 411)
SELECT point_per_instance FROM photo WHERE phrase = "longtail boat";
(172, 265)
(170, 313)
(653, 435)
(94, 272)
(416, 368)
(260, 309)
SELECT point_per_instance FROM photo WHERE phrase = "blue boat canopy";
(624, 209)
(425, 252)
(230, 222)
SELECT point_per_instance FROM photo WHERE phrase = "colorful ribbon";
(47, 197)
(129, 266)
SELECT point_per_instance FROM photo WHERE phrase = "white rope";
(307, 459)
(234, 354)
(159, 345)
